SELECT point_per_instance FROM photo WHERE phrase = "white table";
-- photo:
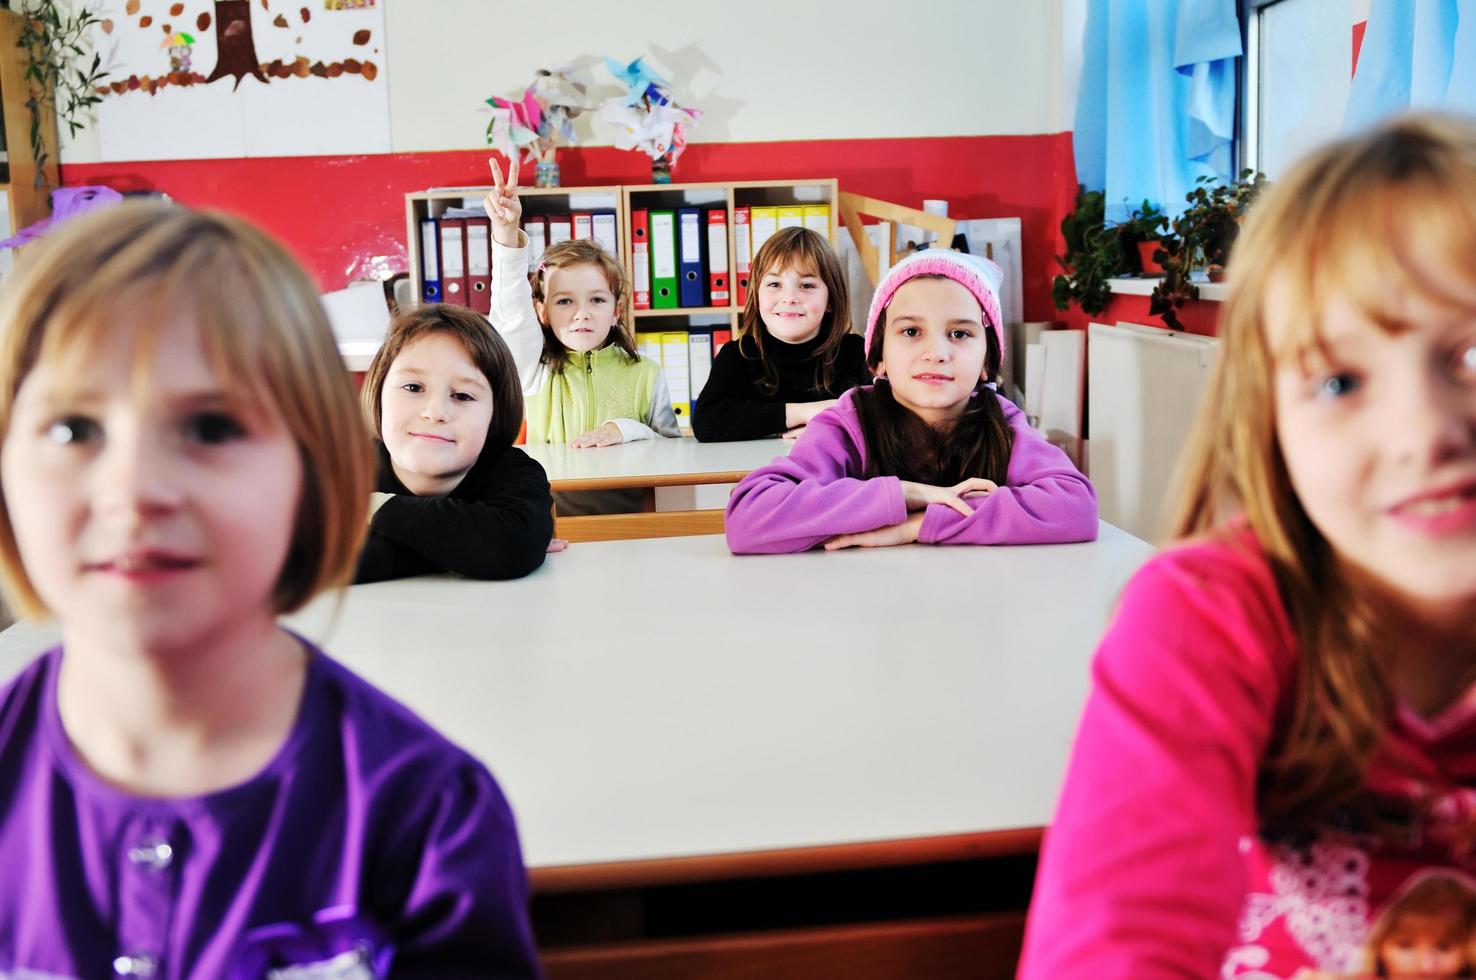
(653, 463)
(718, 704)
(661, 711)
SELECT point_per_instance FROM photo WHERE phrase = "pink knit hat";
(978, 275)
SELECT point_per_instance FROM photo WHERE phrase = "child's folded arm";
(726, 410)
(1046, 500)
(513, 315)
(503, 535)
(661, 417)
(804, 499)
(720, 417)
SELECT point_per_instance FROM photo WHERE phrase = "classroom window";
(1298, 74)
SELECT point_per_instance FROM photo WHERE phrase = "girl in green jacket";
(583, 382)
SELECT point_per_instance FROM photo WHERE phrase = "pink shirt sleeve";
(1046, 501)
(804, 499)
(1142, 875)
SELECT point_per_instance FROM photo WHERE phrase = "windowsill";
(1214, 292)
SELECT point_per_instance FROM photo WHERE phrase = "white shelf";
(1214, 292)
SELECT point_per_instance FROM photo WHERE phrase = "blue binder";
(430, 261)
(691, 279)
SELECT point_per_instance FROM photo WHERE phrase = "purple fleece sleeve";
(804, 499)
(1046, 500)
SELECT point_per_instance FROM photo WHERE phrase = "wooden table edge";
(570, 485)
(557, 879)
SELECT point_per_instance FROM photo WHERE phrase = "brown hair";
(264, 332)
(1338, 224)
(583, 251)
(487, 350)
(900, 443)
(802, 249)
(1430, 893)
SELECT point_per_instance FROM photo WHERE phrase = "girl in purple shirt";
(187, 789)
(929, 453)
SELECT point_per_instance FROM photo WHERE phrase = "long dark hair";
(802, 249)
(900, 443)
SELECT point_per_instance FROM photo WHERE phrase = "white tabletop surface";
(650, 458)
(662, 698)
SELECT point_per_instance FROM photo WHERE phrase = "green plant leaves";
(52, 40)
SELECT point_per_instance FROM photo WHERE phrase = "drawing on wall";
(230, 78)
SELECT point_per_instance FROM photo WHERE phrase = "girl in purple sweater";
(1280, 742)
(930, 452)
(186, 788)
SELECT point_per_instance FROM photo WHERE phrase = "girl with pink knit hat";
(930, 452)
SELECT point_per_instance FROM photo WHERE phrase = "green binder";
(663, 261)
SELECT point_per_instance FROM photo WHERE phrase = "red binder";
(479, 264)
(453, 260)
(741, 252)
(640, 259)
(717, 257)
(719, 338)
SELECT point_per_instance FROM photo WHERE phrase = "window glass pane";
(1306, 62)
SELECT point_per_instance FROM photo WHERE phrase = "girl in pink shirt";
(1281, 734)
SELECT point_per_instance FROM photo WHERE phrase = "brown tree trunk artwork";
(236, 48)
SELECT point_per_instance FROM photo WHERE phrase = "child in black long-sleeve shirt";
(795, 353)
(453, 493)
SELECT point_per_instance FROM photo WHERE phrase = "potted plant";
(1094, 254)
(1200, 239)
(1143, 226)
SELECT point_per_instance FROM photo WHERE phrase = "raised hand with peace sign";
(502, 204)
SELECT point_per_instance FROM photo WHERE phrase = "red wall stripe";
(1358, 31)
(345, 215)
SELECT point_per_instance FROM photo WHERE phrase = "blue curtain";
(1417, 54)
(1156, 108)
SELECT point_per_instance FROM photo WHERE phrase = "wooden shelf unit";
(728, 194)
(536, 201)
(622, 199)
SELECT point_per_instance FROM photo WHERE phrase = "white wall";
(760, 69)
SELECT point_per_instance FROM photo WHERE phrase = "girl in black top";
(453, 493)
(795, 353)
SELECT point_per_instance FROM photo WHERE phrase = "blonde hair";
(805, 250)
(263, 330)
(1339, 224)
(583, 251)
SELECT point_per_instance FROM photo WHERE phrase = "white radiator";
(1144, 386)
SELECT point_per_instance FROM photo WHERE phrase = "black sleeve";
(850, 366)
(730, 407)
(502, 534)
